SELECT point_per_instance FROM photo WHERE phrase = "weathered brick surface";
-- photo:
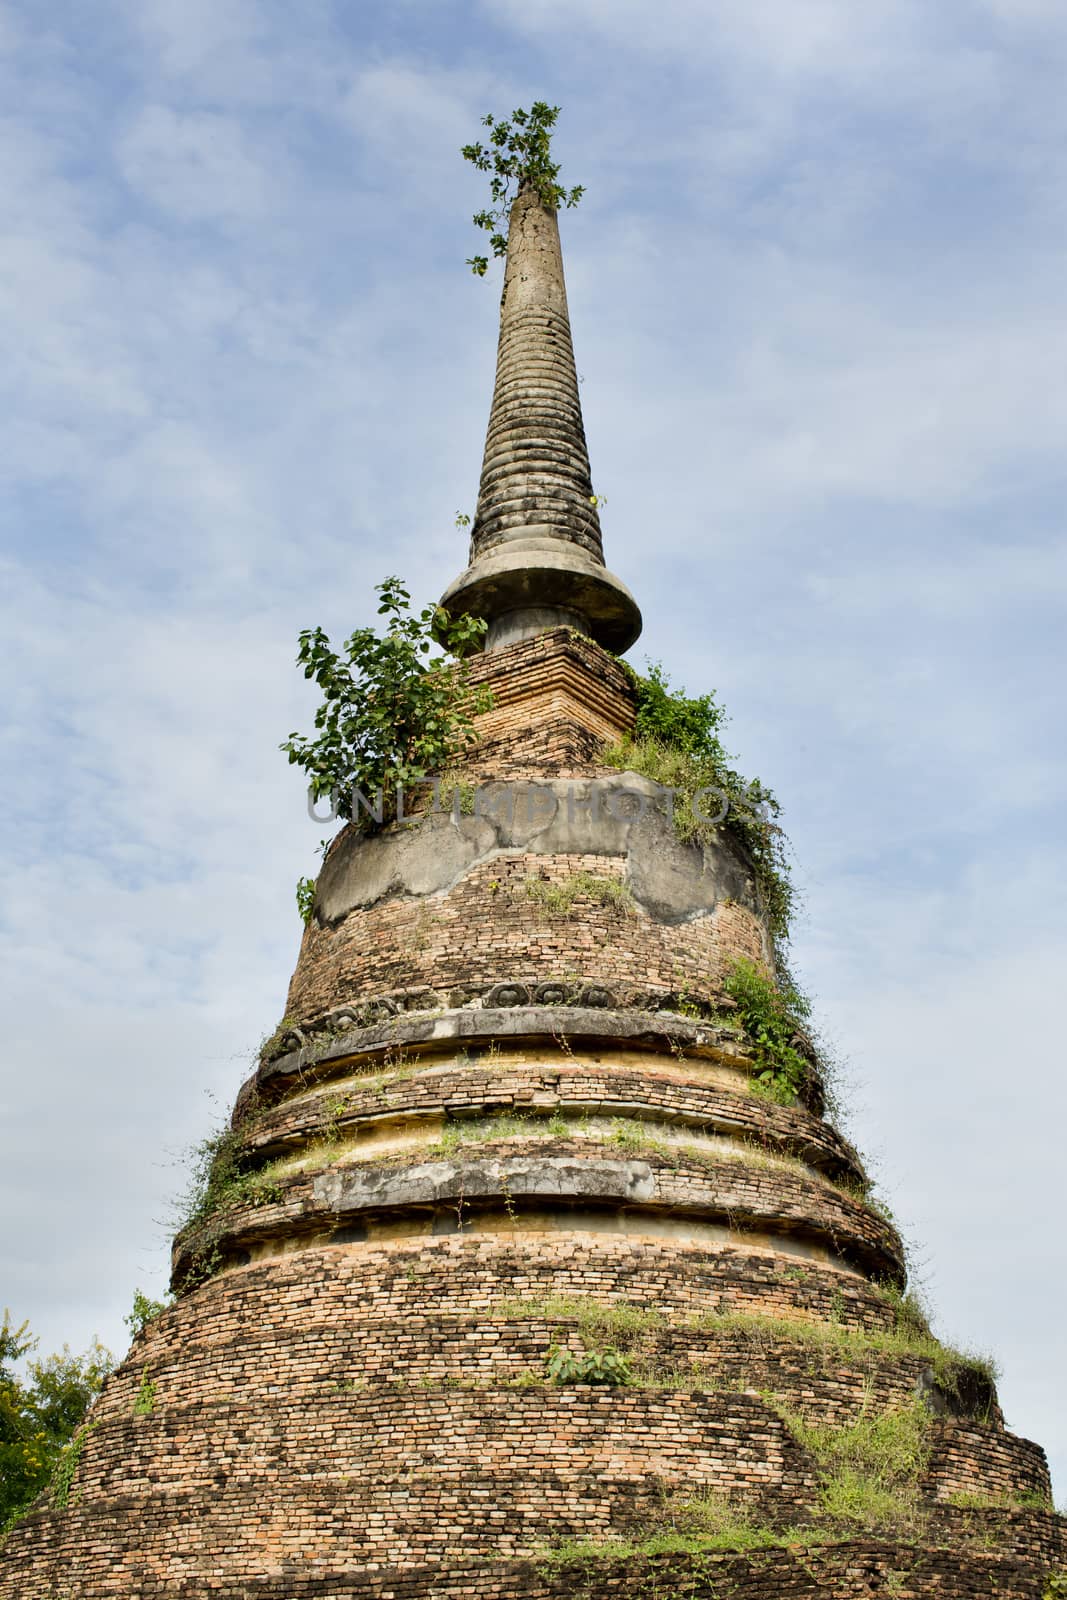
(491, 929)
(779, 1199)
(663, 1096)
(556, 700)
(370, 1417)
(978, 1461)
(345, 1414)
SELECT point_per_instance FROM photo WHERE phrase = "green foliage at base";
(40, 1415)
(676, 743)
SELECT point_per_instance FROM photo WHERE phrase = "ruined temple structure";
(508, 1113)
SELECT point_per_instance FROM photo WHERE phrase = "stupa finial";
(536, 556)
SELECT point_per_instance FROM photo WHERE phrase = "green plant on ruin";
(716, 1522)
(144, 1401)
(676, 742)
(331, 1115)
(479, 1130)
(871, 1469)
(626, 1325)
(1056, 1588)
(205, 1261)
(66, 1466)
(774, 1021)
(144, 1311)
(305, 898)
(509, 1201)
(271, 1042)
(519, 156)
(456, 795)
(910, 1315)
(1028, 1500)
(220, 1180)
(587, 1366)
(559, 899)
(702, 1525)
(592, 1317)
(392, 713)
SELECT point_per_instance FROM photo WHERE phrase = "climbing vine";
(519, 154)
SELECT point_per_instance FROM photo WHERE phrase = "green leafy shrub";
(66, 1465)
(519, 154)
(305, 898)
(677, 743)
(144, 1311)
(392, 713)
(144, 1401)
(773, 1021)
(586, 1366)
(219, 1180)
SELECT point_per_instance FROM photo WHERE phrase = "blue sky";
(819, 303)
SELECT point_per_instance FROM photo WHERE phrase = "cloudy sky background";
(818, 294)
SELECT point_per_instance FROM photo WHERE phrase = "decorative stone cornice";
(536, 557)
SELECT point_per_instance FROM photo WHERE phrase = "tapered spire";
(536, 557)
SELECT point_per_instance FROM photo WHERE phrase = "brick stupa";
(505, 1114)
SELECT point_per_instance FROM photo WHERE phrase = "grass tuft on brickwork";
(1033, 1501)
(871, 1468)
(704, 1524)
(627, 1325)
(562, 898)
(218, 1181)
(750, 809)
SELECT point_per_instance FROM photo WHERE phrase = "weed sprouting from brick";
(144, 1401)
(564, 1366)
(61, 1486)
(220, 1180)
(145, 1310)
(572, 896)
(831, 1341)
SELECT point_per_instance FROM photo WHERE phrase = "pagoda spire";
(536, 556)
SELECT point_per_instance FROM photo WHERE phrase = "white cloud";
(199, 166)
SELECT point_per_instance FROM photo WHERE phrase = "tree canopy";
(40, 1412)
